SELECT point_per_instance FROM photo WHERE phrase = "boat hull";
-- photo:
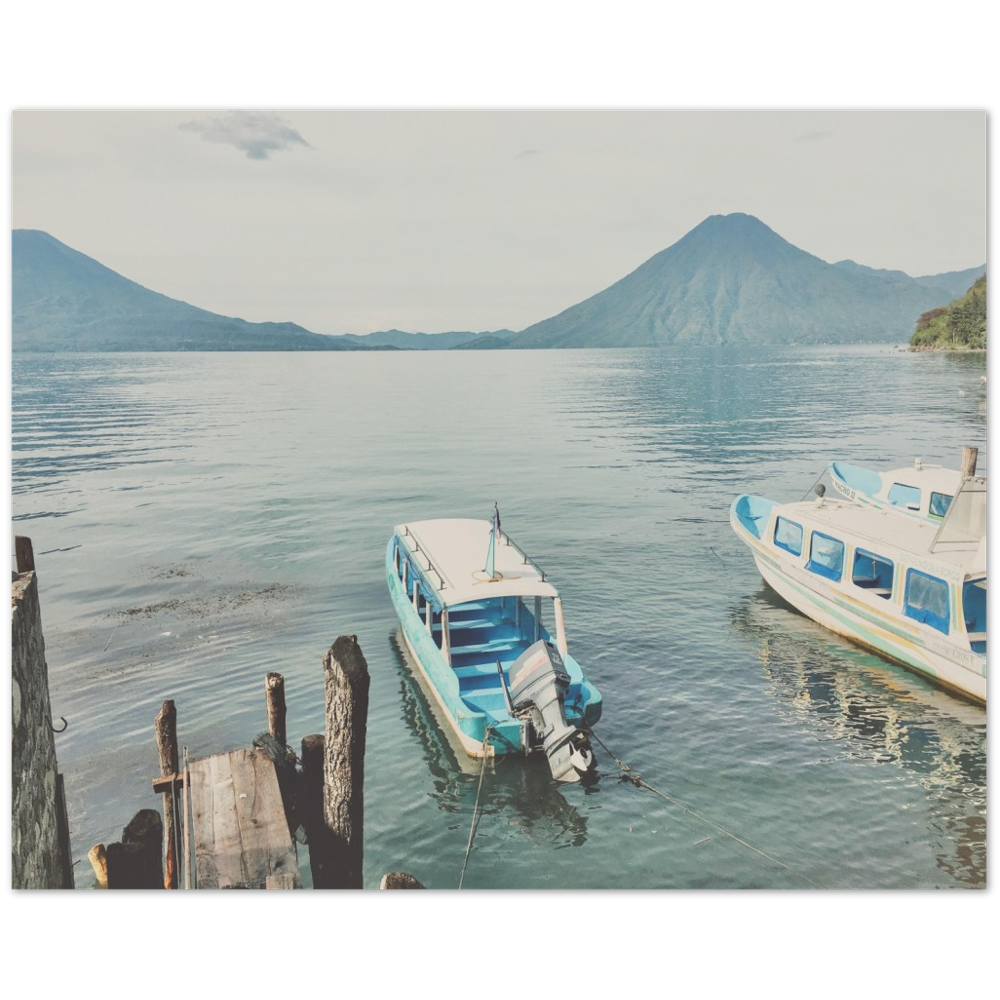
(862, 620)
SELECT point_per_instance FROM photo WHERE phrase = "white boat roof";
(934, 478)
(925, 477)
(883, 531)
(451, 553)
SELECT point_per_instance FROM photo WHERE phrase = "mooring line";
(636, 779)
(475, 811)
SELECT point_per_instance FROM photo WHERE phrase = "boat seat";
(491, 703)
(977, 637)
(475, 683)
(460, 611)
(491, 647)
(473, 623)
(480, 669)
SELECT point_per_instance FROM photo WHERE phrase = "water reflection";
(880, 713)
(700, 415)
(513, 785)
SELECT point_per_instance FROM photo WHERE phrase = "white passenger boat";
(919, 490)
(486, 630)
(904, 587)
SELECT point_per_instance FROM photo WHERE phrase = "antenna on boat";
(491, 551)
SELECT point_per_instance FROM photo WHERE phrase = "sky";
(356, 220)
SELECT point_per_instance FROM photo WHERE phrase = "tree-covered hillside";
(961, 325)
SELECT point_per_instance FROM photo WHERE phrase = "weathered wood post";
(274, 691)
(969, 458)
(166, 741)
(347, 683)
(24, 553)
(400, 880)
(99, 862)
(311, 807)
(137, 862)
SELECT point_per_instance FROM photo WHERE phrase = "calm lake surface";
(201, 519)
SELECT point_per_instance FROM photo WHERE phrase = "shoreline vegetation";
(946, 349)
(958, 326)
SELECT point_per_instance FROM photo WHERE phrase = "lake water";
(201, 519)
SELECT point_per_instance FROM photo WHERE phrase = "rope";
(475, 811)
(636, 779)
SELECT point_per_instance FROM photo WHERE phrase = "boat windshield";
(965, 521)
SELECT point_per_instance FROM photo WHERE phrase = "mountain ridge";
(63, 300)
(733, 280)
(730, 280)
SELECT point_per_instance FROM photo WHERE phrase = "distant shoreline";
(937, 348)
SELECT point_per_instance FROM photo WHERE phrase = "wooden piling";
(166, 741)
(311, 808)
(969, 458)
(400, 880)
(347, 683)
(24, 554)
(136, 862)
(99, 862)
(274, 690)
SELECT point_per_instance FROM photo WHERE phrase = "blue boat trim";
(462, 673)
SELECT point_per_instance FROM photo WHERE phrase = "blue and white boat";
(488, 635)
(920, 490)
(907, 588)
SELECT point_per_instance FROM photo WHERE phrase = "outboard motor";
(538, 686)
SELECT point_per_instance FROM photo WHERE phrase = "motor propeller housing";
(538, 686)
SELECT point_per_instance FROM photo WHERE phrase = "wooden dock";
(227, 818)
(239, 831)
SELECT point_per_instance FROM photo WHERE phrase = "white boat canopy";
(450, 554)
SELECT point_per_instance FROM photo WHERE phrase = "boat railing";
(528, 561)
(431, 568)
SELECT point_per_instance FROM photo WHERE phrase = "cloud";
(813, 136)
(528, 152)
(256, 133)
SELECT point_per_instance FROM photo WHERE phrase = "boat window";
(940, 502)
(826, 556)
(904, 496)
(872, 572)
(788, 535)
(926, 600)
(974, 613)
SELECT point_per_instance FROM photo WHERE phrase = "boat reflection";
(520, 787)
(880, 712)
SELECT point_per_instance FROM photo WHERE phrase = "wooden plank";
(165, 783)
(287, 880)
(199, 792)
(240, 832)
(227, 842)
(267, 844)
